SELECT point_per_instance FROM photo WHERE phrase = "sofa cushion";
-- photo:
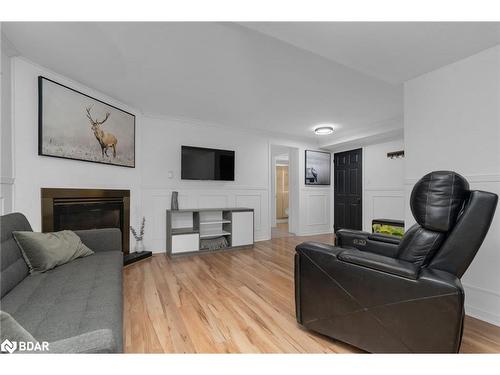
(100, 341)
(44, 251)
(78, 297)
(11, 330)
(12, 265)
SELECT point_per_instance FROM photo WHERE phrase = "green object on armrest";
(388, 229)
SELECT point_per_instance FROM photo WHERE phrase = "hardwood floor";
(280, 231)
(235, 302)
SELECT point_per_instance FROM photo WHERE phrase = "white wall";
(452, 122)
(383, 183)
(32, 172)
(162, 141)
(6, 170)
(158, 145)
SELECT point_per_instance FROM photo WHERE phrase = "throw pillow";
(44, 251)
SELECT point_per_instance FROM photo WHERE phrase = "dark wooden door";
(348, 191)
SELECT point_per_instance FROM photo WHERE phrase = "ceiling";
(276, 77)
(391, 51)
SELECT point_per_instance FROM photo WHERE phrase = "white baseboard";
(7, 180)
(482, 303)
(483, 315)
(314, 233)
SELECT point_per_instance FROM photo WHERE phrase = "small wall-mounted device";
(396, 154)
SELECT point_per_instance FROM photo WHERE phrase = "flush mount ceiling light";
(323, 130)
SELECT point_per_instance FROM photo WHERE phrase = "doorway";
(282, 198)
(348, 191)
(283, 165)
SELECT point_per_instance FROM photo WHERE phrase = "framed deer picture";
(73, 125)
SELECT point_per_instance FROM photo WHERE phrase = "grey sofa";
(78, 306)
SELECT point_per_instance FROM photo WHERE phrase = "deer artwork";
(106, 140)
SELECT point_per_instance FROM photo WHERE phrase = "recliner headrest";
(437, 199)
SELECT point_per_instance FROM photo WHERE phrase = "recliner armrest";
(387, 238)
(380, 263)
(318, 247)
(351, 238)
(364, 241)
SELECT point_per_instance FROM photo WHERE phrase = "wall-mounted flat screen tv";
(199, 163)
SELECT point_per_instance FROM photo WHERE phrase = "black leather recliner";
(383, 294)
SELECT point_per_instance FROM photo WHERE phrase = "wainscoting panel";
(316, 203)
(6, 195)
(157, 218)
(212, 200)
(383, 202)
(155, 202)
(252, 201)
(317, 209)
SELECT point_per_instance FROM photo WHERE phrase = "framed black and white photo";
(73, 125)
(318, 165)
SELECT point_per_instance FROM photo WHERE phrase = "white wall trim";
(482, 315)
(314, 233)
(316, 188)
(384, 188)
(7, 180)
(482, 290)
(488, 316)
(210, 185)
(472, 178)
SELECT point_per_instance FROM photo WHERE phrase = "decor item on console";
(214, 243)
(139, 251)
(317, 168)
(73, 125)
(174, 203)
(384, 294)
(139, 237)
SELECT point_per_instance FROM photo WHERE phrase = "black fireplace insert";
(78, 209)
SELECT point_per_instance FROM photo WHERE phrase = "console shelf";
(212, 234)
(215, 222)
(176, 231)
(188, 230)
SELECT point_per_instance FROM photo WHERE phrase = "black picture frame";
(309, 180)
(41, 152)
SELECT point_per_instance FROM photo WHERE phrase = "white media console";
(190, 231)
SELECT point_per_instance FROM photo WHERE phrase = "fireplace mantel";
(69, 202)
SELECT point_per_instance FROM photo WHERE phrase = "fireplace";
(77, 209)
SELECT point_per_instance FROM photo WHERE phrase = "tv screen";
(207, 164)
